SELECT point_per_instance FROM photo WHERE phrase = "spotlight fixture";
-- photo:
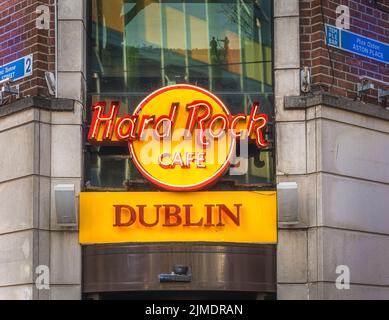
(179, 273)
(6, 88)
(50, 81)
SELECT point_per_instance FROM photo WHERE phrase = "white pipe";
(56, 46)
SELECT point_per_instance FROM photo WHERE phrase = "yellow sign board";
(235, 217)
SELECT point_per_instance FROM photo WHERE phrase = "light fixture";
(287, 203)
(65, 205)
(180, 273)
(7, 88)
(305, 80)
(383, 95)
(50, 81)
(364, 86)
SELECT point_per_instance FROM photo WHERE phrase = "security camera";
(50, 81)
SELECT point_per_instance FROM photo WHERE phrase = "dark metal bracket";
(179, 274)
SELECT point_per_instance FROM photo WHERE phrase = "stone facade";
(46, 150)
(335, 149)
(342, 204)
(30, 167)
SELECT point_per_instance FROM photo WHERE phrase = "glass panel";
(140, 46)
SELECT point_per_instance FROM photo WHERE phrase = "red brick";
(19, 37)
(347, 68)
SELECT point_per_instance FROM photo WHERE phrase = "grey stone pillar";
(29, 237)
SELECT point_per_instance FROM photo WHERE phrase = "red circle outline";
(196, 186)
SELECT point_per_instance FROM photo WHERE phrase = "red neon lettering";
(144, 124)
(129, 134)
(212, 123)
(161, 163)
(177, 160)
(194, 109)
(200, 117)
(166, 161)
(189, 158)
(234, 122)
(260, 140)
(167, 122)
(200, 160)
(99, 117)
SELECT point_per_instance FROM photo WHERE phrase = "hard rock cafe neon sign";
(180, 137)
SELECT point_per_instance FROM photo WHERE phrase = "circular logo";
(183, 142)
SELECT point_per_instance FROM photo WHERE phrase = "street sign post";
(354, 43)
(17, 69)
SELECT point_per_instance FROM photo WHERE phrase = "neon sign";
(180, 137)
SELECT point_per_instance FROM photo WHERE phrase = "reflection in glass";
(140, 46)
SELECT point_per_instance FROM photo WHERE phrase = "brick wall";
(332, 70)
(341, 78)
(20, 37)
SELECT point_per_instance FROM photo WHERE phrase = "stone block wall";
(42, 146)
(335, 148)
(343, 203)
(29, 233)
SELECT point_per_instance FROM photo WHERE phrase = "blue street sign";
(17, 69)
(357, 44)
